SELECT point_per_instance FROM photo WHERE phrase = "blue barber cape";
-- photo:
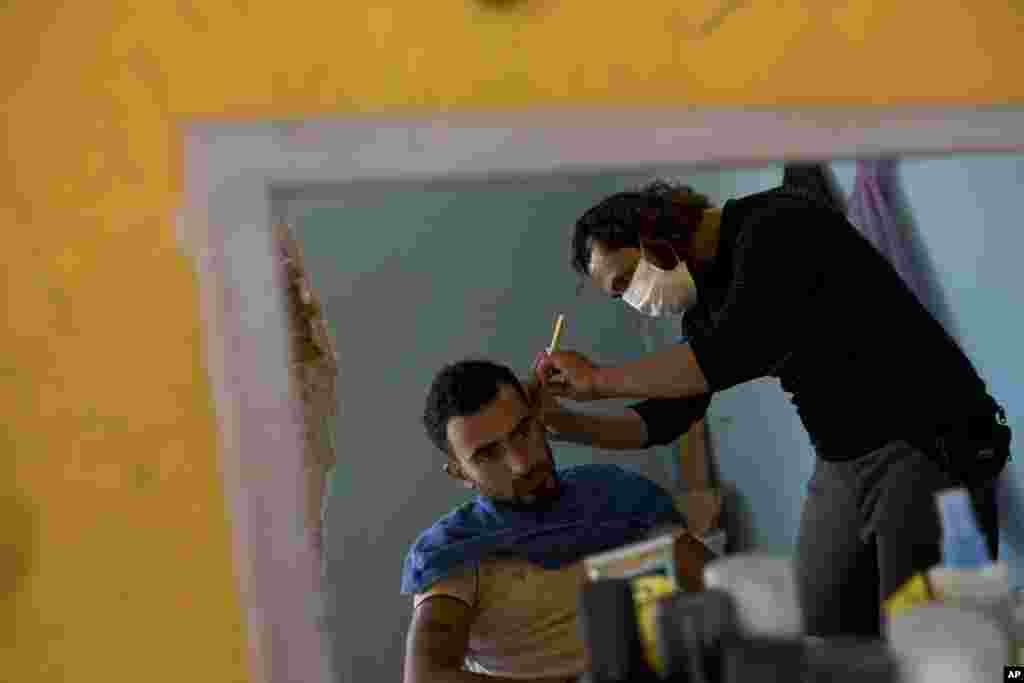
(600, 507)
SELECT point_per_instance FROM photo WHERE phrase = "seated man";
(495, 582)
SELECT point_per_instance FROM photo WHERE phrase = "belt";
(947, 443)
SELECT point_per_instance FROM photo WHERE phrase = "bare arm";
(626, 431)
(695, 457)
(672, 373)
(437, 643)
(649, 423)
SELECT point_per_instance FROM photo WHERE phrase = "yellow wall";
(114, 556)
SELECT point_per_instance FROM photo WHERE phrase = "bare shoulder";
(444, 612)
(439, 634)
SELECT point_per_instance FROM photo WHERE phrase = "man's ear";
(453, 470)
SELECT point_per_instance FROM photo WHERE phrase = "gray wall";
(413, 277)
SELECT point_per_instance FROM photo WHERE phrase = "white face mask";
(661, 293)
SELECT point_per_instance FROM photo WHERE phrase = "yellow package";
(646, 591)
(916, 591)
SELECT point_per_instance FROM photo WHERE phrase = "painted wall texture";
(115, 559)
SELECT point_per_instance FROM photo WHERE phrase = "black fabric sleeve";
(769, 305)
(669, 418)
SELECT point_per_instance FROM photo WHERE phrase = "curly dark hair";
(670, 211)
(461, 389)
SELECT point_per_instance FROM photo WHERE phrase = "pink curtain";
(878, 209)
(872, 209)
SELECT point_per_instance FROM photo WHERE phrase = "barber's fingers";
(548, 366)
(543, 365)
(560, 388)
(557, 384)
(540, 365)
(556, 366)
(551, 378)
(568, 374)
(556, 377)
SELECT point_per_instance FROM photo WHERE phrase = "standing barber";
(777, 284)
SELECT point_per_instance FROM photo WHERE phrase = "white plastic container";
(947, 644)
(763, 588)
(986, 590)
(963, 546)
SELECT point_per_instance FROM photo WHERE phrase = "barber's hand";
(569, 375)
(548, 410)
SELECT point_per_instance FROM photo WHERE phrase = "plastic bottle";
(963, 546)
(763, 588)
(968, 577)
(986, 590)
(947, 644)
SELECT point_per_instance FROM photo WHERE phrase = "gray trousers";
(867, 526)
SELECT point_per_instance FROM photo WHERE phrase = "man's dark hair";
(461, 389)
(666, 210)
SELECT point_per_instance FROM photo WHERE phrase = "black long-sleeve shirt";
(797, 293)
